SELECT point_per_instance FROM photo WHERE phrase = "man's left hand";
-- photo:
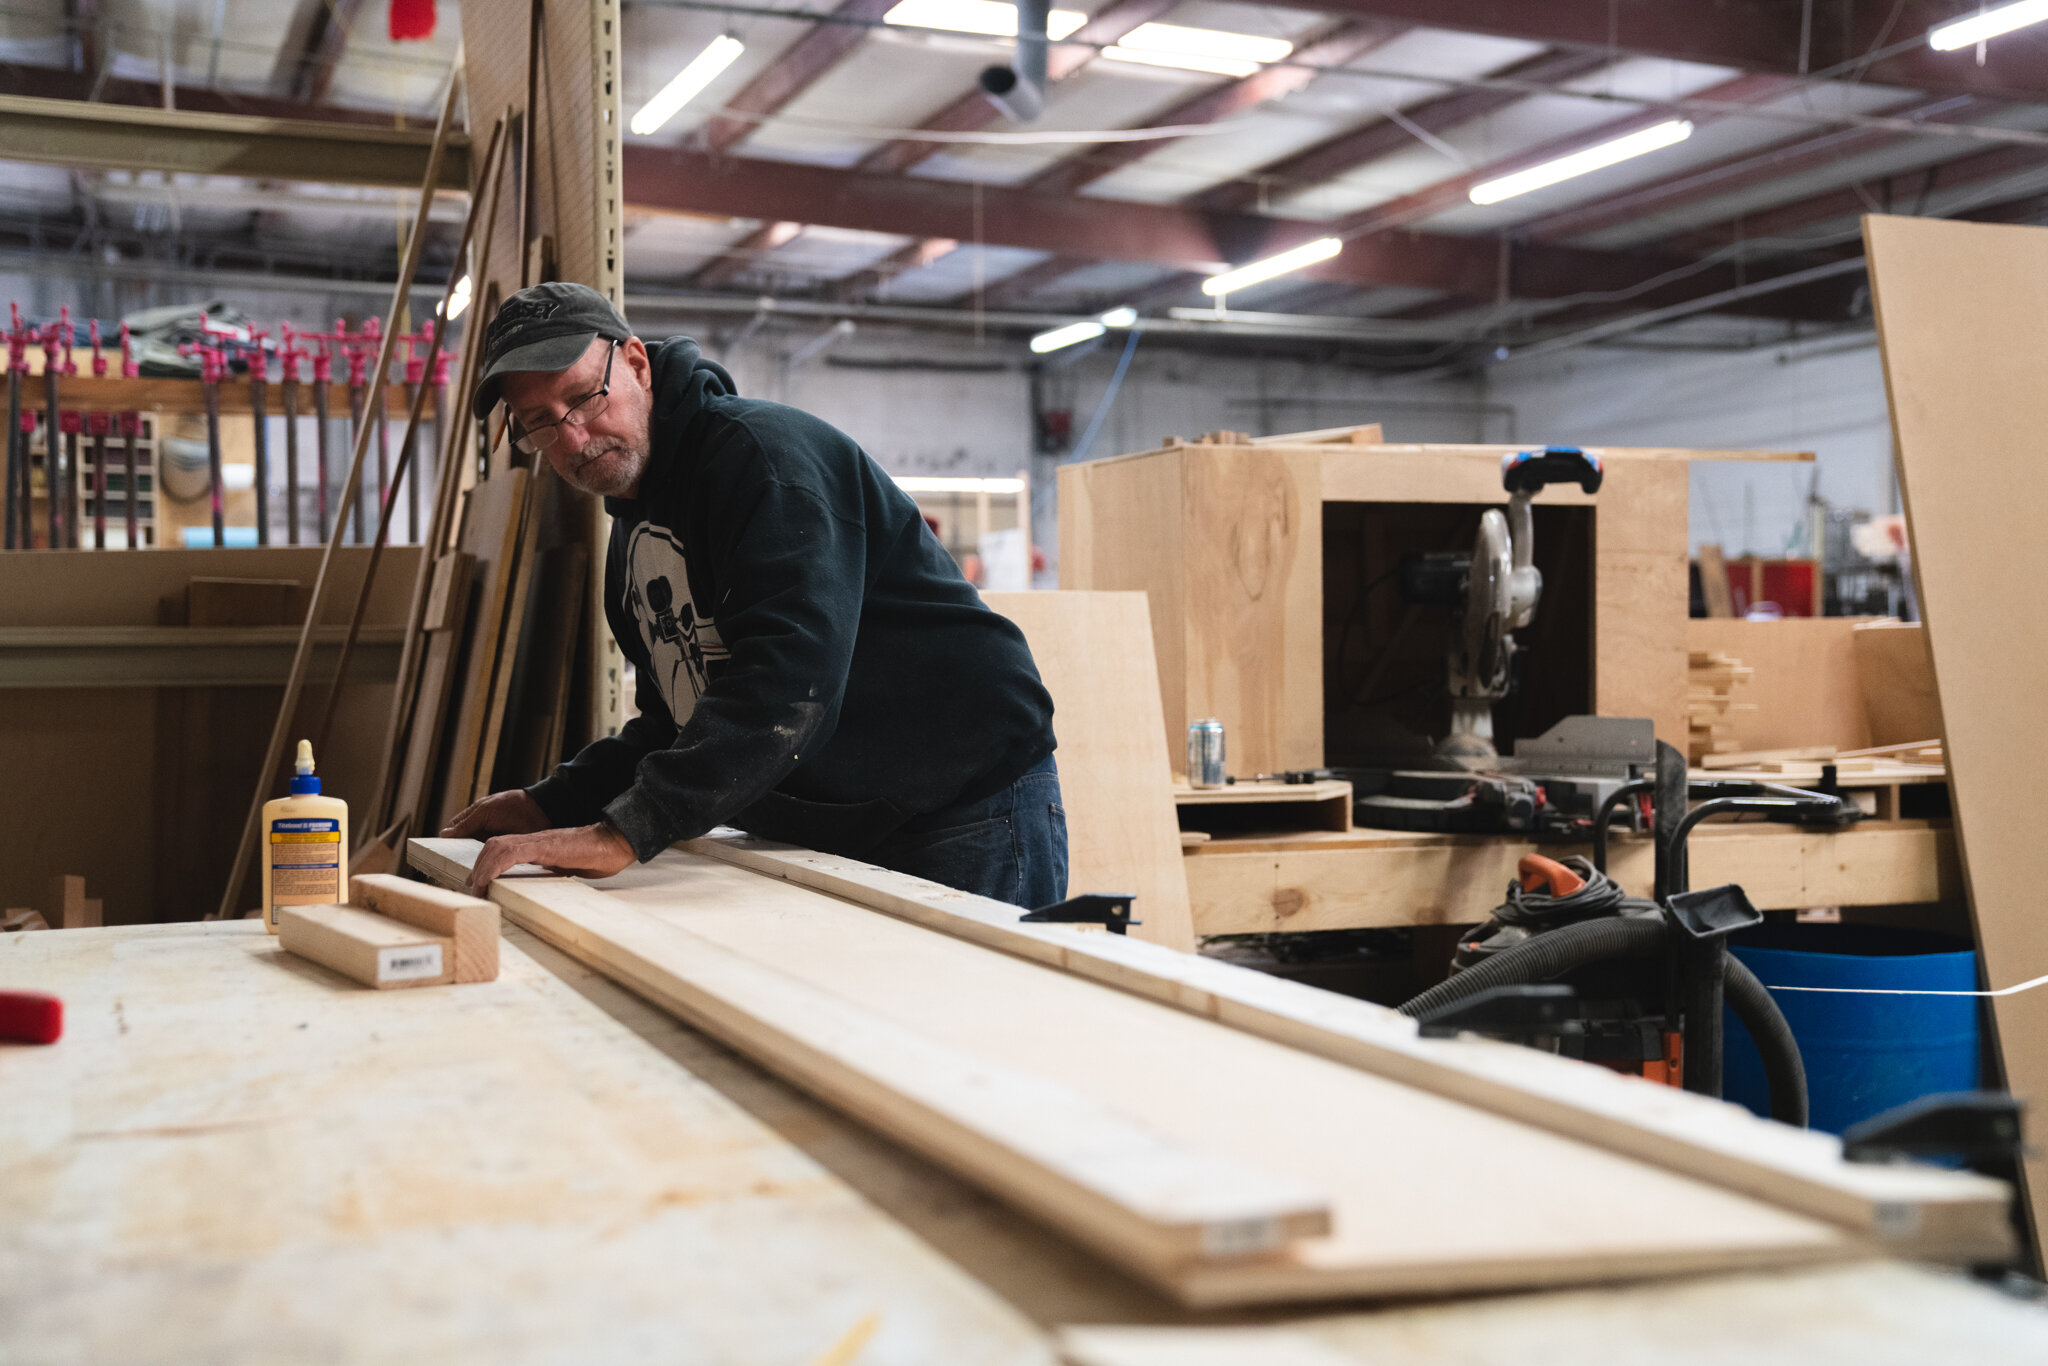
(581, 850)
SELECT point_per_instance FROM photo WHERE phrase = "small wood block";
(18, 918)
(239, 602)
(369, 948)
(469, 923)
(66, 905)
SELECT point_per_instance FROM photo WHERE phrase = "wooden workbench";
(1364, 879)
(235, 1156)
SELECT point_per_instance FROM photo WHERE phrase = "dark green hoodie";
(812, 666)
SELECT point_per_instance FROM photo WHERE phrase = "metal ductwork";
(1018, 90)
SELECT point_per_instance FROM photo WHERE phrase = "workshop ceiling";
(805, 169)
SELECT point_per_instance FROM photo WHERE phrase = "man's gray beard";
(617, 485)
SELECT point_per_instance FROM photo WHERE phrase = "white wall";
(1828, 398)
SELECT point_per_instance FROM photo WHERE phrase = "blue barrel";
(1863, 1054)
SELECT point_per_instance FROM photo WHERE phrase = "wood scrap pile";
(1711, 679)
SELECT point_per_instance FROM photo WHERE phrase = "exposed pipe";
(1018, 90)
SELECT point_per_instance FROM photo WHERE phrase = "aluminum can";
(1205, 752)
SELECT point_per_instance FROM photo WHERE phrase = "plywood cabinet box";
(1227, 537)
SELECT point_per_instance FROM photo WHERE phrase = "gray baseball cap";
(543, 327)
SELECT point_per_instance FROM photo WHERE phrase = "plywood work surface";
(1394, 1161)
(235, 1156)
(1960, 309)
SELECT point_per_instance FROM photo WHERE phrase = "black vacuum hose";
(1784, 1069)
(1551, 955)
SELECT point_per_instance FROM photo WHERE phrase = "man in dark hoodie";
(811, 665)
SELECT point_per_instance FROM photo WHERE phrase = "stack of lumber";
(1227, 1137)
(1711, 679)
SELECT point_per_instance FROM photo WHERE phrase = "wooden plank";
(525, 565)
(1130, 1192)
(365, 947)
(1806, 685)
(1714, 590)
(468, 923)
(1897, 679)
(416, 776)
(1959, 309)
(1333, 882)
(1260, 793)
(1094, 653)
(541, 705)
(1363, 434)
(1393, 1160)
(512, 1172)
(492, 527)
(1639, 595)
(1914, 1211)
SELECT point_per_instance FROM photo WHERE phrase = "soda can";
(1205, 752)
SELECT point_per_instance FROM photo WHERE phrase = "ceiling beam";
(1452, 191)
(799, 66)
(50, 83)
(676, 180)
(1347, 151)
(972, 111)
(1347, 43)
(746, 253)
(73, 133)
(1757, 36)
(305, 69)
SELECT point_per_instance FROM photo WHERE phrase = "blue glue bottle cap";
(304, 783)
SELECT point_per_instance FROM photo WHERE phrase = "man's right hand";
(501, 813)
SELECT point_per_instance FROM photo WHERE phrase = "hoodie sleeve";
(795, 567)
(576, 793)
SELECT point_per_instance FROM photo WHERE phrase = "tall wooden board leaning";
(1960, 309)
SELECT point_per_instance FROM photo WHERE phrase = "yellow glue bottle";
(305, 839)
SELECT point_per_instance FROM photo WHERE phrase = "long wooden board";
(1094, 652)
(1395, 1161)
(1960, 309)
(492, 527)
(1915, 1211)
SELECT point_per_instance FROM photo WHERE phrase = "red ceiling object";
(411, 20)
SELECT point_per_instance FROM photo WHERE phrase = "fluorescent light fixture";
(1197, 49)
(1119, 317)
(458, 299)
(919, 483)
(996, 18)
(1581, 162)
(1258, 272)
(1066, 336)
(703, 69)
(1975, 29)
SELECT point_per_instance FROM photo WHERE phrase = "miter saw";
(1557, 779)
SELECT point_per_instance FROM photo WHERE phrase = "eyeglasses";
(580, 413)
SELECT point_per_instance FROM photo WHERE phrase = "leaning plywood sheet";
(1094, 651)
(1395, 1163)
(492, 525)
(1913, 1211)
(532, 1170)
(1962, 313)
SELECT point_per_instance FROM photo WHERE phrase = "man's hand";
(584, 850)
(501, 813)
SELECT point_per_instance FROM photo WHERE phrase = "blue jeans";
(1012, 846)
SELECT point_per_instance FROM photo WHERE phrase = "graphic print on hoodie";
(681, 644)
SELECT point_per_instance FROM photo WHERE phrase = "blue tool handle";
(1529, 471)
